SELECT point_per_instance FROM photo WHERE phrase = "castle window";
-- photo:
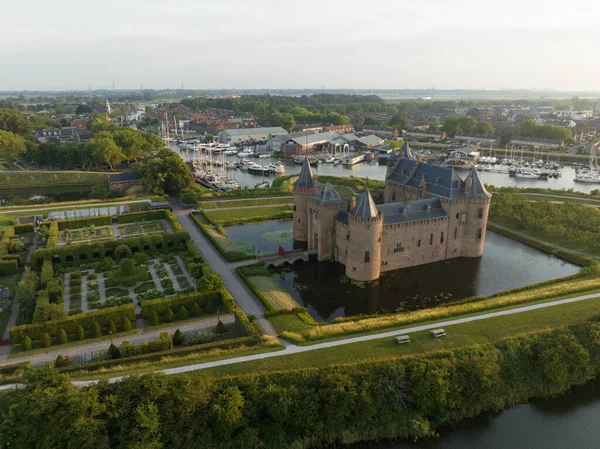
(457, 216)
(398, 248)
(348, 236)
(480, 213)
(294, 208)
(346, 253)
(298, 220)
(442, 238)
(479, 233)
(455, 232)
(419, 243)
(431, 239)
(367, 257)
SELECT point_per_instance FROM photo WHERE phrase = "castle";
(429, 214)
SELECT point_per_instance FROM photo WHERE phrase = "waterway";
(327, 294)
(262, 238)
(569, 421)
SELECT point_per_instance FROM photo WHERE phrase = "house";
(124, 180)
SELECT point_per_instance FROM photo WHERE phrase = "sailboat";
(592, 174)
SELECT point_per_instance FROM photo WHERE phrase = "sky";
(313, 44)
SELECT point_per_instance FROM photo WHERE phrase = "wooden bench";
(401, 339)
(437, 333)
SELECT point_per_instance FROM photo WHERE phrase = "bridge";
(290, 258)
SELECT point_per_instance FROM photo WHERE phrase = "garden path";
(152, 270)
(203, 325)
(101, 286)
(172, 276)
(185, 271)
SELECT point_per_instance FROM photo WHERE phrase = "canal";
(568, 421)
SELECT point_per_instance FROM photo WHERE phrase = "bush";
(140, 258)
(154, 320)
(61, 362)
(47, 272)
(46, 340)
(169, 291)
(97, 330)
(114, 301)
(63, 337)
(27, 344)
(166, 282)
(125, 324)
(210, 300)
(178, 338)
(112, 327)
(164, 343)
(80, 333)
(91, 277)
(169, 316)
(76, 288)
(76, 274)
(113, 351)
(182, 314)
(196, 311)
(83, 222)
(93, 297)
(221, 328)
(251, 318)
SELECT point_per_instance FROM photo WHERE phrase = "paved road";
(292, 349)
(244, 297)
(100, 346)
(544, 242)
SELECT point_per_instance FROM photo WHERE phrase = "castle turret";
(391, 163)
(305, 188)
(322, 211)
(478, 207)
(365, 225)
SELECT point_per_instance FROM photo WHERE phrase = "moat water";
(327, 294)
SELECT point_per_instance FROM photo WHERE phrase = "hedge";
(71, 324)
(8, 267)
(164, 343)
(162, 304)
(76, 255)
(6, 237)
(10, 369)
(24, 228)
(152, 215)
(47, 272)
(77, 223)
(52, 235)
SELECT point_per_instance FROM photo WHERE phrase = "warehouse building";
(242, 135)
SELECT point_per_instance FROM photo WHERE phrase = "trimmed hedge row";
(24, 228)
(164, 343)
(75, 255)
(8, 267)
(161, 305)
(6, 237)
(77, 223)
(52, 235)
(151, 215)
(71, 324)
(10, 369)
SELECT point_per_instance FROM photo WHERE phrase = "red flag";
(281, 251)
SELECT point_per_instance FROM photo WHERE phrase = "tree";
(210, 282)
(104, 149)
(125, 324)
(154, 320)
(435, 125)
(371, 121)
(169, 315)
(196, 310)
(26, 292)
(61, 362)
(27, 344)
(112, 327)
(11, 144)
(209, 138)
(165, 173)
(63, 338)
(178, 338)
(113, 351)
(283, 119)
(80, 333)
(398, 121)
(484, 128)
(451, 126)
(97, 330)
(467, 124)
(15, 122)
(83, 109)
(221, 328)
(46, 340)
(182, 314)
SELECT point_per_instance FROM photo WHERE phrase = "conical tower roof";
(305, 179)
(474, 188)
(327, 195)
(365, 206)
(406, 151)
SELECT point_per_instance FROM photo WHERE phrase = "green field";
(273, 293)
(229, 217)
(226, 204)
(48, 178)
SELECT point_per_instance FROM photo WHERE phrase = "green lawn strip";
(249, 202)
(172, 362)
(291, 322)
(49, 178)
(179, 322)
(229, 252)
(560, 198)
(273, 293)
(17, 351)
(230, 217)
(476, 332)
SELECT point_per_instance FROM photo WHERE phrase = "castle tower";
(322, 211)
(391, 163)
(365, 225)
(478, 207)
(305, 188)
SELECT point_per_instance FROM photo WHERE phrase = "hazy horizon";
(283, 45)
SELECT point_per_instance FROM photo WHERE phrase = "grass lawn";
(234, 216)
(275, 295)
(560, 198)
(291, 323)
(249, 202)
(477, 332)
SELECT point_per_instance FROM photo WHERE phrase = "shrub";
(76, 274)
(251, 317)
(164, 343)
(166, 282)
(27, 344)
(114, 301)
(61, 362)
(112, 327)
(75, 297)
(140, 258)
(196, 311)
(47, 272)
(210, 300)
(80, 333)
(169, 291)
(169, 316)
(182, 314)
(154, 320)
(76, 288)
(93, 297)
(122, 252)
(125, 324)
(46, 340)
(210, 282)
(221, 328)
(113, 351)
(97, 330)
(91, 277)
(178, 338)
(63, 337)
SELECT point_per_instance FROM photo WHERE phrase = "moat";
(327, 294)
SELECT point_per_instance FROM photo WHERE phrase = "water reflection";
(265, 237)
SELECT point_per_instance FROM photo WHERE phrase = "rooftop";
(125, 176)
(327, 195)
(365, 206)
(394, 213)
(305, 178)
(251, 131)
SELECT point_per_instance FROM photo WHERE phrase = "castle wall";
(363, 262)
(301, 198)
(321, 235)
(475, 227)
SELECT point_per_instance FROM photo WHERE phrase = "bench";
(403, 339)
(437, 333)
